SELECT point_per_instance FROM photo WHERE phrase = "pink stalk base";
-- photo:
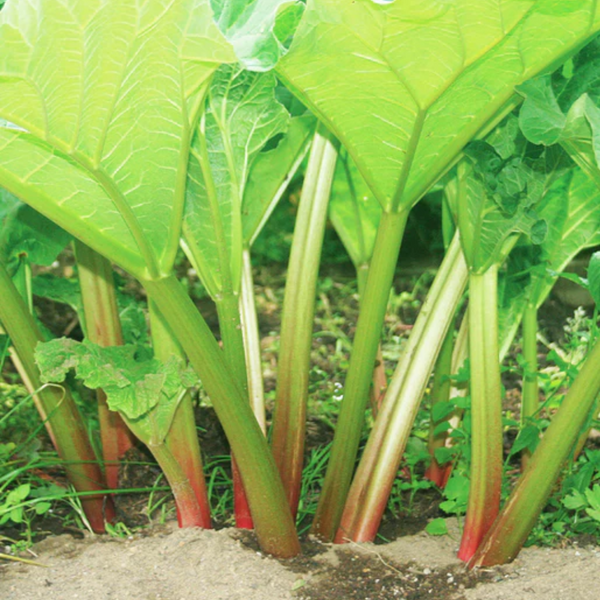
(243, 517)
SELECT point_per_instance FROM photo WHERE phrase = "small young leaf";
(593, 497)
(441, 410)
(16, 515)
(574, 501)
(444, 455)
(437, 527)
(527, 439)
(541, 118)
(18, 494)
(441, 428)
(42, 508)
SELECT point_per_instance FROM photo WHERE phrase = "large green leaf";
(564, 108)
(107, 93)
(571, 210)
(406, 85)
(271, 173)
(145, 391)
(495, 201)
(25, 234)
(259, 30)
(241, 116)
(354, 211)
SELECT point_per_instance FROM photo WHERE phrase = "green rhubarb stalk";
(298, 314)
(227, 300)
(356, 389)
(440, 392)
(272, 518)
(182, 439)
(486, 411)
(379, 383)
(230, 326)
(252, 347)
(530, 402)
(57, 409)
(255, 389)
(103, 327)
(379, 464)
(521, 511)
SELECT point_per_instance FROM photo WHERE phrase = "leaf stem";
(530, 394)
(356, 393)
(189, 513)
(521, 511)
(103, 327)
(379, 464)
(272, 518)
(57, 408)
(440, 393)
(298, 313)
(252, 348)
(228, 309)
(182, 438)
(486, 411)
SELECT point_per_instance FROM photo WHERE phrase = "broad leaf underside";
(406, 85)
(106, 92)
(242, 115)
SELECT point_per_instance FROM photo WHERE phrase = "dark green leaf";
(528, 439)
(441, 410)
(27, 235)
(594, 277)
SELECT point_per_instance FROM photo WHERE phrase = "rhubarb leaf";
(271, 173)
(27, 235)
(258, 30)
(564, 108)
(405, 85)
(145, 391)
(106, 94)
(571, 210)
(354, 211)
(241, 116)
(495, 202)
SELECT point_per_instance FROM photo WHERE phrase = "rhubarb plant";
(566, 109)
(497, 195)
(144, 391)
(572, 213)
(242, 116)
(27, 238)
(105, 111)
(432, 77)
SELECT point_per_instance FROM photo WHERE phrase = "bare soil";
(171, 564)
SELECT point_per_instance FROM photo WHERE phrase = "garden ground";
(170, 564)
